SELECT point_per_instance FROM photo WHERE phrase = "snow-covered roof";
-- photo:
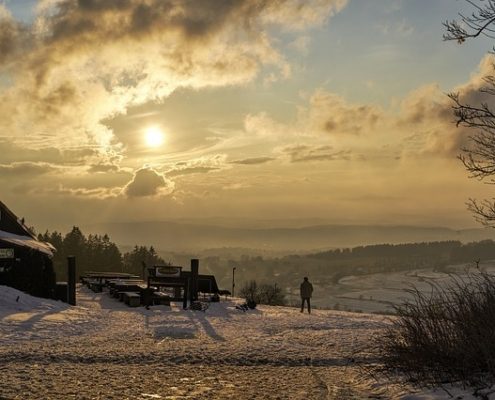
(27, 241)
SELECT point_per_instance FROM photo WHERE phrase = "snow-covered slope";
(102, 349)
(12, 300)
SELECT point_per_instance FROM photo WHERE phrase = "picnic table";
(104, 276)
(126, 287)
(175, 283)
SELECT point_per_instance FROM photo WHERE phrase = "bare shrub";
(250, 291)
(270, 294)
(445, 336)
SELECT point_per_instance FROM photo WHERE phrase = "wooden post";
(233, 282)
(194, 279)
(71, 280)
(186, 291)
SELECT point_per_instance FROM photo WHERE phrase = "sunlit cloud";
(200, 165)
(148, 183)
(83, 62)
(246, 94)
(253, 161)
(305, 153)
(331, 114)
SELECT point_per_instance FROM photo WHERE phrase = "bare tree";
(479, 155)
(480, 22)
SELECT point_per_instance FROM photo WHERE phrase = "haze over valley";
(274, 236)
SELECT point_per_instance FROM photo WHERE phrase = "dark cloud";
(330, 113)
(148, 182)
(13, 36)
(427, 113)
(103, 168)
(11, 153)
(24, 169)
(253, 160)
(425, 105)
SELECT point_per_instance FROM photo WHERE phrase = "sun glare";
(154, 137)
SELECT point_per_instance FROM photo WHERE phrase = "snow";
(27, 241)
(102, 349)
(379, 292)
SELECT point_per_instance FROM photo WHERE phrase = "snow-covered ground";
(379, 292)
(102, 349)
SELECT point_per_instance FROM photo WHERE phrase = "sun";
(154, 136)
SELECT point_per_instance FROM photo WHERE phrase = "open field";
(378, 293)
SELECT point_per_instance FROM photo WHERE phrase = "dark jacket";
(306, 290)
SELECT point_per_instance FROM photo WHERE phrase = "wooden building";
(25, 262)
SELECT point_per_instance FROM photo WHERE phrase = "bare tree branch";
(480, 22)
(478, 156)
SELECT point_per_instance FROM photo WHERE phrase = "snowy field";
(378, 293)
(102, 349)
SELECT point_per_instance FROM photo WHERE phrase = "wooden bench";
(160, 298)
(115, 289)
(132, 299)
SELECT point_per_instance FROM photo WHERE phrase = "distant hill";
(189, 236)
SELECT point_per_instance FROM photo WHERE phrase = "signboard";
(167, 271)
(6, 253)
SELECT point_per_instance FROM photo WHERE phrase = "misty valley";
(370, 278)
(362, 279)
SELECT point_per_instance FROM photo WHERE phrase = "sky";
(146, 110)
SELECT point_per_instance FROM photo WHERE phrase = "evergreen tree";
(133, 261)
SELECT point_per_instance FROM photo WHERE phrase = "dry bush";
(447, 335)
(270, 294)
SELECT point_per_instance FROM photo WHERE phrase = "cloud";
(200, 165)
(428, 115)
(148, 182)
(263, 125)
(27, 169)
(236, 186)
(83, 62)
(299, 14)
(12, 35)
(103, 168)
(331, 114)
(253, 160)
(11, 152)
(425, 105)
(422, 124)
(62, 191)
(93, 193)
(191, 170)
(303, 153)
(301, 44)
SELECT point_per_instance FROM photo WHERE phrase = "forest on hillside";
(328, 267)
(99, 253)
(96, 253)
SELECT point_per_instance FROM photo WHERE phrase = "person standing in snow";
(306, 293)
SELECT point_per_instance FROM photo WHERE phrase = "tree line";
(96, 253)
(451, 251)
(326, 268)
